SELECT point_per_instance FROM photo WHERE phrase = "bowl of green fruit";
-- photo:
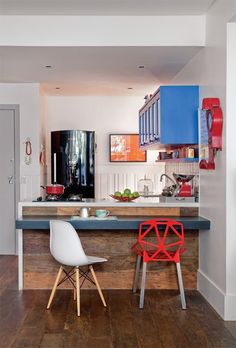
(126, 196)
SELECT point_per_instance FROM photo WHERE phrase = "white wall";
(42, 140)
(231, 169)
(104, 115)
(28, 98)
(208, 69)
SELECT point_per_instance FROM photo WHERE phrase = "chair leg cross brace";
(68, 275)
(75, 283)
(86, 276)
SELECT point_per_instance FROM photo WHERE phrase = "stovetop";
(59, 200)
(56, 198)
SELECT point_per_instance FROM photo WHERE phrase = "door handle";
(10, 179)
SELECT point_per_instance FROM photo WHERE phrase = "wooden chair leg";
(74, 294)
(97, 285)
(54, 287)
(77, 290)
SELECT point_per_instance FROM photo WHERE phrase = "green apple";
(136, 194)
(117, 194)
(127, 191)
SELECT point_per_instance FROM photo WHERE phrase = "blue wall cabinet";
(170, 116)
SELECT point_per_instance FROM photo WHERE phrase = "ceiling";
(94, 70)
(104, 7)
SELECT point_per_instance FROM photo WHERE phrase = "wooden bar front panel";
(40, 268)
(118, 211)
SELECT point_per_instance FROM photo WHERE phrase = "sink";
(164, 199)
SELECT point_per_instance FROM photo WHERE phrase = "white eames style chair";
(66, 248)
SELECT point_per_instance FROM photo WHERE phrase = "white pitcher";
(84, 212)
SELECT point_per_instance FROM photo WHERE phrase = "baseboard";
(230, 307)
(224, 304)
(212, 293)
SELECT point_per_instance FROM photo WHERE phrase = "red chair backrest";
(160, 240)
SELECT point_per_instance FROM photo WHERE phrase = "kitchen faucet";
(172, 190)
(168, 177)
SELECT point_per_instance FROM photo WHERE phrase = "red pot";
(54, 189)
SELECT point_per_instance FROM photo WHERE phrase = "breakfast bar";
(111, 237)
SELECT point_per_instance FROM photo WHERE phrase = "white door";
(7, 182)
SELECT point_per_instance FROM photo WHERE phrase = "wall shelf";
(182, 160)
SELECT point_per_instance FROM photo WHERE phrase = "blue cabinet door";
(171, 116)
(179, 114)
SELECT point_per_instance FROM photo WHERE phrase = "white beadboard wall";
(108, 179)
(183, 168)
(111, 178)
(115, 177)
(29, 187)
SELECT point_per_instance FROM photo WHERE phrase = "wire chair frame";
(159, 248)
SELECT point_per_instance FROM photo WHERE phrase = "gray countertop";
(119, 223)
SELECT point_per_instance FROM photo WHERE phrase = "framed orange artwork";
(125, 148)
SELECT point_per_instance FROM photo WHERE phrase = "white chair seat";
(95, 259)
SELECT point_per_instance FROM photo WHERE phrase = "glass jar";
(145, 186)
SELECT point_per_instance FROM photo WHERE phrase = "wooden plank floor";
(24, 321)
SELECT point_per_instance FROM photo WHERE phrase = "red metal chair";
(155, 244)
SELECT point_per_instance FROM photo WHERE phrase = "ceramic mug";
(102, 213)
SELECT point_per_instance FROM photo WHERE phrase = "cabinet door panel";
(140, 129)
(141, 132)
(157, 120)
(149, 125)
(152, 129)
(145, 127)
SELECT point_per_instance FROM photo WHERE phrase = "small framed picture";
(125, 148)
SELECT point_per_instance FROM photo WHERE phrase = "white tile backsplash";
(183, 168)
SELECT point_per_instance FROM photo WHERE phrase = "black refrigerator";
(72, 161)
